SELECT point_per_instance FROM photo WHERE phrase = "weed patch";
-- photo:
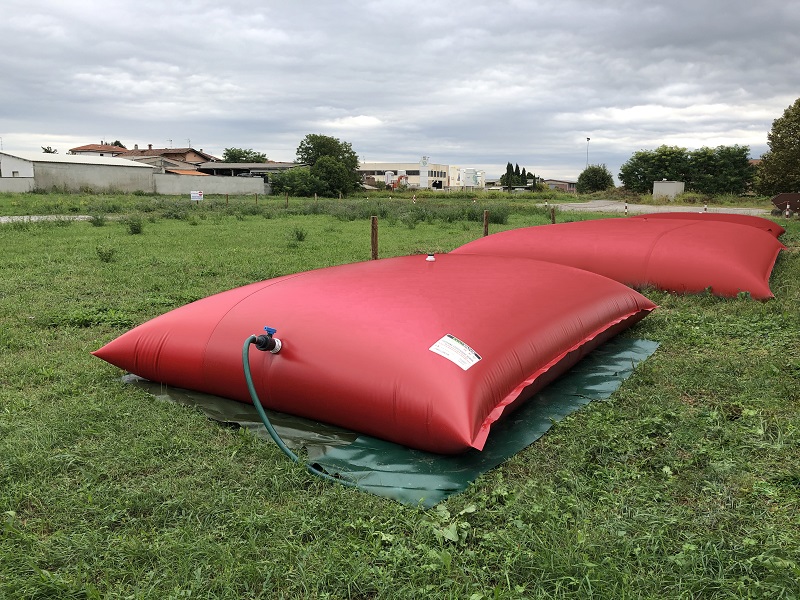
(105, 253)
(135, 224)
(97, 220)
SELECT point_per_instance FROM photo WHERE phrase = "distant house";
(163, 164)
(97, 150)
(185, 155)
(561, 184)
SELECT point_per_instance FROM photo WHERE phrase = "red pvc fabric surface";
(676, 255)
(767, 225)
(358, 342)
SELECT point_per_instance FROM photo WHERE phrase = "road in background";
(619, 207)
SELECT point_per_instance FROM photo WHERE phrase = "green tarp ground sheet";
(421, 478)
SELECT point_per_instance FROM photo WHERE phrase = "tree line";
(514, 176)
(711, 171)
(724, 169)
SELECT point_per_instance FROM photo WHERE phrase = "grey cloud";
(468, 83)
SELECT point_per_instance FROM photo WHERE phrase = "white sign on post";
(196, 196)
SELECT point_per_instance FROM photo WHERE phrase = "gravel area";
(615, 207)
(34, 218)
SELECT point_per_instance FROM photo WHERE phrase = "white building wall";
(436, 172)
(11, 166)
(212, 184)
(453, 177)
(96, 153)
(98, 178)
(460, 178)
(17, 185)
(668, 189)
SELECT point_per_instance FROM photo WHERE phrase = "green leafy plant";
(135, 224)
(97, 220)
(105, 253)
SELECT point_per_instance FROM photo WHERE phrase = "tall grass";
(685, 484)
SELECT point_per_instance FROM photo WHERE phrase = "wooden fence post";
(485, 223)
(374, 237)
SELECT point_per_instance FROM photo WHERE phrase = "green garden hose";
(265, 419)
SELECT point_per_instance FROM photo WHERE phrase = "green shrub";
(135, 224)
(175, 210)
(98, 220)
(105, 253)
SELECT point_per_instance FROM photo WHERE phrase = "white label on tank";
(456, 351)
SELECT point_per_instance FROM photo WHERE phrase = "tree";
(332, 174)
(646, 166)
(779, 170)
(296, 182)
(507, 180)
(240, 155)
(314, 147)
(595, 178)
(514, 176)
(49, 150)
(721, 170)
(118, 144)
(703, 168)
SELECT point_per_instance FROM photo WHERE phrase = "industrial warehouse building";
(42, 171)
(423, 175)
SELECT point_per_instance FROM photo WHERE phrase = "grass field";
(685, 484)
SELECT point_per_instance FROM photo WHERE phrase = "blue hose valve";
(267, 343)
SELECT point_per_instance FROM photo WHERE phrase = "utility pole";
(587, 152)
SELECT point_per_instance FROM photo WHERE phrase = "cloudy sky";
(475, 84)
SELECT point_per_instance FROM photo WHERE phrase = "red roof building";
(97, 150)
(187, 155)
